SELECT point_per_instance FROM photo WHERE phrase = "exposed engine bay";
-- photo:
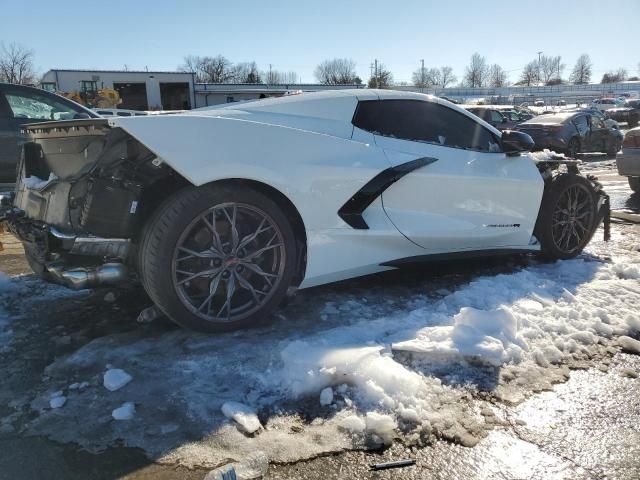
(91, 206)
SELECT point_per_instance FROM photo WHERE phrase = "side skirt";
(469, 254)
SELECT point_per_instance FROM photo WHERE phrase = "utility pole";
(371, 70)
(539, 60)
(270, 76)
(422, 82)
(376, 73)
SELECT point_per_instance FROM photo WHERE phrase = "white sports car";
(220, 212)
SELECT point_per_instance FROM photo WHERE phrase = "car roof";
(551, 118)
(342, 100)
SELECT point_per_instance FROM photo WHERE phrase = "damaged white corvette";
(220, 212)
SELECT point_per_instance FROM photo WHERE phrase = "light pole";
(539, 59)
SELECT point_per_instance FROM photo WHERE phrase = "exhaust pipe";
(79, 278)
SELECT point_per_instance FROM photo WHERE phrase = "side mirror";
(514, 142)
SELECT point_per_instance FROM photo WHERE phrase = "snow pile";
(490, 336)
(115, 379)
(545, 155)
(243, 415)
(125, 412)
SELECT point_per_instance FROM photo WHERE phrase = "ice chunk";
(353, 423)
(244, 415)
(629, 345)
(37, 183)
(254, 465)
(57, 401)
(124, 412)
(326, 396)
(381, 425)
(115, 379)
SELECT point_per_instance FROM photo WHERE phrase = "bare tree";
(339, 71)
(382, 78)
(581, 72)
(246, 72)
(216, 69)
(497, 76)
(275, 77)
(551, 68)
(613, 77)
(16, 64)
(529, 74)
(420, 78)
(476, 73)
(446, 77)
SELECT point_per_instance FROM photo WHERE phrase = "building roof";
(115, 71)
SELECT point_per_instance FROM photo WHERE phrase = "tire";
(614, 149)
(573, 148)
(634, 184)
(201, 275)
(579, 222)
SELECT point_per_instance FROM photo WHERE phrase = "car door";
(20, 106)
(598, 135)
(463, 192)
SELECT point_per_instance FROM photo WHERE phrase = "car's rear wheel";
(634, 184)
(567, 218)
(217, 258)
(614, 148)
(573, 148)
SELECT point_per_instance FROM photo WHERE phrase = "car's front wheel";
(218, 257)
(573, 148)
(567, 218)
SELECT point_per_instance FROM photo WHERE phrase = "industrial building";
(139, 90)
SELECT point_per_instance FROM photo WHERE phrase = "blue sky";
(296, 35)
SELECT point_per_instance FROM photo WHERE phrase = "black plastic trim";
(351, 211)
(466, 254)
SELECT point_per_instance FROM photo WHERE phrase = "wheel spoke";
(213, 288)
(194, 254)
(231, 289)
(215, 239)
(244, 283)
(203, 273)
(232, 223)
(251, 237)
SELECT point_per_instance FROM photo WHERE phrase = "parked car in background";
(629, 113)
(607, 103)
(609, 122)
(20, 105)
(572, 133)
(493, 117)
(119, 112)
(538, 103)
(628, 160)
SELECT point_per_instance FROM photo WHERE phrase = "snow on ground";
(399, 362)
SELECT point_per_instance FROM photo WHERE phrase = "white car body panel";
(306, 147)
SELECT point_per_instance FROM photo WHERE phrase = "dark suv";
(20, 105)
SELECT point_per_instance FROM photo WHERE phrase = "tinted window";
(423, 122)
(123, 114)
(38, 106)
(496, 117)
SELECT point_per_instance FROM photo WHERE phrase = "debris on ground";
(243, 415)
(124, 412)
(115, 379)
(396, 464)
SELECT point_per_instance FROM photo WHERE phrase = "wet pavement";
(588, 427)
